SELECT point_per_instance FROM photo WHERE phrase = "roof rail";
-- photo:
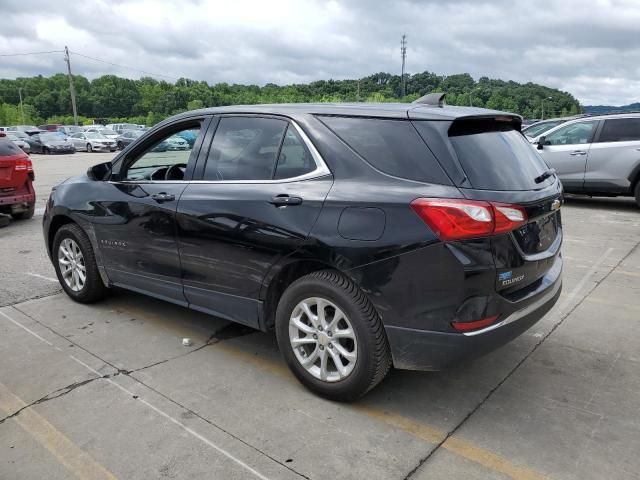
(433, 99)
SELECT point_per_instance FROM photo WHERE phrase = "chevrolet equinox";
(366, 235)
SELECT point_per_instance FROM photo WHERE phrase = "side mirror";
(99, 172)
(541, 142)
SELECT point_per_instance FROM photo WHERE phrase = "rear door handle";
(163, 197)
(284, 200)
(578, 152)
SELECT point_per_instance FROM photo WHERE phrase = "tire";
(45, 151)
(636, 193)
(92, 289)
(89, 148)
(372, 353)
(120, 146)
(26, 215)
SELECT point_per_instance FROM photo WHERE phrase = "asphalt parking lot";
(109, 391)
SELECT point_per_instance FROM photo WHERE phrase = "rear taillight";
(23, 165)
(474, 325)
(455, 219)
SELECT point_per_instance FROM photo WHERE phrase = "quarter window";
(166, 159)
(244, 148)
(620, 130)
(574, 134)
(294, 159)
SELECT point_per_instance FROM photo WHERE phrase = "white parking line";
(37, 275)
(152, 407)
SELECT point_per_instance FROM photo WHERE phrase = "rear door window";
(577, 133)
(620, 130)
(496, 156)
(391, 146)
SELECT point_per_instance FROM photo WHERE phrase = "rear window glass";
(620, 130)
(392, 146)
(8, 148)
(496, 156)
(540, 128)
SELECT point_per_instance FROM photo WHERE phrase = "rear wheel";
(45, 151)
(26, 214)
(331, 336)
(89, 148)
(637, 193)
(76, 266)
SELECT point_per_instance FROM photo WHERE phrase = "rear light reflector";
(456, 219)
(475, 325)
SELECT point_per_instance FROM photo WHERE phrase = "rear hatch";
(15, 167)
(490, 160)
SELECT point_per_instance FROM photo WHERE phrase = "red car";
(17, 196)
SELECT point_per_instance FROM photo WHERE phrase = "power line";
(29, 53)
(123, 66)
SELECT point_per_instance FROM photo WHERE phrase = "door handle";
(284, 200)
(578, 152)
(163, 197)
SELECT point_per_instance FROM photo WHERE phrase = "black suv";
(413, 235)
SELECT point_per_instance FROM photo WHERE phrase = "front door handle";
(578, 152)
(285, 200)
(163, 197)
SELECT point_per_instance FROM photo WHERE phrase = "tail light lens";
(474, 325)
(23, 165)
(455, 219)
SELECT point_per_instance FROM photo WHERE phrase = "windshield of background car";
(52, 137)
(539, 128)
(106, 131)
(96, 136)
(496, 156)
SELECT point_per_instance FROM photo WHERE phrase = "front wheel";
(637, 193)
(76, 266)
(120, 146)
(331, 336)
(89, 148)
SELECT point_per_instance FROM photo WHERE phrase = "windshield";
(541, 127)
(106, 131)
(73, 128)
(95, 136)
(13, 138)
(53, 137)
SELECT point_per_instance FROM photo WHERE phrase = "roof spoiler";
(432, 99)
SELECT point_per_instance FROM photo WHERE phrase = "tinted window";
(392, 146)
(496, 157)
(8, 148)
(620, 130)
(573, 134)
(244, 148)
(294, 159)
(154, 162)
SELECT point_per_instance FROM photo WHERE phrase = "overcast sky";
(590, 48)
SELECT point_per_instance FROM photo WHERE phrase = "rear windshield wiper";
(544, 175)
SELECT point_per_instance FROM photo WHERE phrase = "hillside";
(147, 100)
(600, 109)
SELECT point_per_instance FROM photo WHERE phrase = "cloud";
(588, 48)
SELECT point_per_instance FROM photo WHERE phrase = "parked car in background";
(119, 128)
(92, 142)
(539, 128)
(28, 129)
(17, 196)
(107, 132)
(19, 142)
(596, 155)
(125, 138)
(50, 127)
(70, 129)
(50, 142)
(336, 226)
(177, 143)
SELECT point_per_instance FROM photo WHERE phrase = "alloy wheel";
(72, 265)
(323, 339)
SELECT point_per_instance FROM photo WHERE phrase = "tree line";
(147, 100)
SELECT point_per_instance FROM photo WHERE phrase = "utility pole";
(403, 53)
(548, 98)
(21, 105)
(358, 90)
(71, 89)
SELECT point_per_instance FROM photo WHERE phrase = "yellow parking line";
(77, 461)
(419, 430)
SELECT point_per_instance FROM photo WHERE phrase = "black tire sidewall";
(93, 288)
(637, 193)
(358, 381)
(89, 148)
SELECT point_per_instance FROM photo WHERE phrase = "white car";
(93, 142)
(177, 143)
(103, 131)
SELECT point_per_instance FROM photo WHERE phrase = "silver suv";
(597, 155)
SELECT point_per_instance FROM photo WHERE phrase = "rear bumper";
(414, 349)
